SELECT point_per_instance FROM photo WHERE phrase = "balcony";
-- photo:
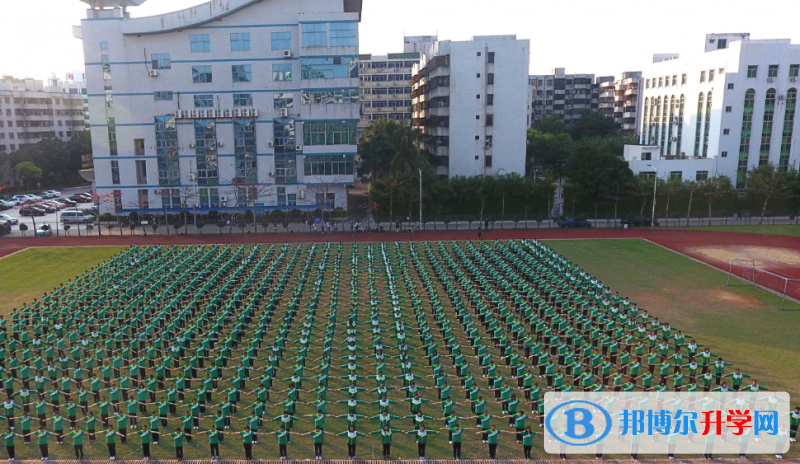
(442, 151)
(439, 111)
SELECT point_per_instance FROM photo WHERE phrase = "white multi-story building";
(386, 87)
(73, 83)
(31, 111)
(227, 104)
(559, 93)
(471, 102)
(721, 112)
(621, 99)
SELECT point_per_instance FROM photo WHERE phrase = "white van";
(75, 216)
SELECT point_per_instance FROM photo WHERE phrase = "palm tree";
(408, 158)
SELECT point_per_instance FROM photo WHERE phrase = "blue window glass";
(242, 73)
(240, 42)
(203, 101)
(281, 72)
(201, 74)
(104, 45)
(281, 40)
(315, 35)
(329, 67)
(201, 43)
(166, 95)
(160, 61)
(344, 35)
(242, 99)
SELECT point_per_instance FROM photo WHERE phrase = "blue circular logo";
(578, 416)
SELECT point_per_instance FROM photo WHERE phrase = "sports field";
(163, 311)
(788, 230)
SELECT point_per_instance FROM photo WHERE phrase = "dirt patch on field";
(762, 256)
(735, 299)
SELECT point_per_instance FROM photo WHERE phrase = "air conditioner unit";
(191, 145)
(284, 112)
(270, 144)
(298, 148)
(192, 177)
(223, 199)
(237, 112)
(157, 192)
(194, 114)
(301, 194)
(153, 73)
(287, 53)
(770, 79)
(220, 144)
(674, 139)
(793, 79)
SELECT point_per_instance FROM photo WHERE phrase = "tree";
(593, 124)
(28, 171)
(594, 172)
(671, 187)
(7, 174)
(767, 183)
(552, 125)
(716, 187)
(548, 151)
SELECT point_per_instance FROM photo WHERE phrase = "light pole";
(420, 198)
(655, 189)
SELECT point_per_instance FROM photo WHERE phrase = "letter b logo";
(579, 423)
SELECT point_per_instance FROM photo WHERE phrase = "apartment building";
(560, 94)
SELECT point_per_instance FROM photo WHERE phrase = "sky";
(583, 36)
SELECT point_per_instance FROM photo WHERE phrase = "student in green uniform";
(283, 440)
(42, 439)
(178, 437)
(351, 435)
(317, 435)
(456, 441)
(111, 442)
(247, 441)
(146, 437)
(77, 442)
(527, 442)
(491, 438)
(9, 439)
(422, 440)
(213, 442)
(386, 439)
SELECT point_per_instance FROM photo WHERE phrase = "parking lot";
(53, 219)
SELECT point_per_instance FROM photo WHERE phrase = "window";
(647, 175)
(117, 200)
(115, 172)
(111, 124)
(104, 45)
(138, 147)
(328, 165)
(788, 128)
(478, 75)
(162, 96)
(490, 99)
(244, 133)
(329, 133)
(702, 76)
(242, 99)
(647, 83)
(744, 144)
(728, 109)
(698, 135)
(160, 61)
(722, 43)
(242, 72)
(141, 172)
(203, 101)
(676, 174)
(726, 131)
(329, 67)
(711, 75)
(478, 96)
(344, 34)
(281, 40)
(201, 43)
(310, 97)
(794, 70)
(490, 120)
(201, 74)
(209, 197)
(683, 79)
(752, 71)
(724, 154)
(647, 156)
(660, 81)
(766, 127)
(490, 79)
(315, 35)
(282, 72)
(674, 79)
(109, 96)
(490, 57)
(487, 161)
(772, 71)
(144, 201)
(730, 86)
(167, 151)
(701, 176)
(170, 198)
(106, 60)
(206, 157)
(283, 100)
(240, 42)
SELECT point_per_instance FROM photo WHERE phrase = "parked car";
(638, 221)
(50, 194)
(67, 202)
(54, 204)
(81, 198)
(46, 207)
(5, 228)
(44, 231)
(31, 211)
(4, 205)
(574, 223)
(7, 218)
(75, 216)
(22, 199)
(33, 197)
(12, 202)
(89, 211)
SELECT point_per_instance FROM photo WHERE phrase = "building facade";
(385, 83)
(559, 94)
(229, 104)
(31, 111)
(471, 100)
(734, 104)
(73, 83)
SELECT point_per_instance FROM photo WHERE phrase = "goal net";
(745, 272)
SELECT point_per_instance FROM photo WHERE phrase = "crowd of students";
(172, 343)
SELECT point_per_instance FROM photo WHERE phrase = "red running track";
(681, 241)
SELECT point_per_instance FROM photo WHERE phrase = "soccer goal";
(746, 272)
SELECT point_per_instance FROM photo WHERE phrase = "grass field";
(789, 230)
(28, 274)
(742, 324)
